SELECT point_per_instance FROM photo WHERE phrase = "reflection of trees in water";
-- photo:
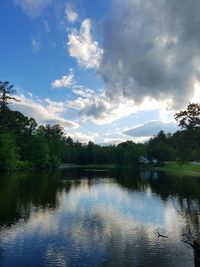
(186, 190)
(189, 214)
(183, 191)
(21, 192)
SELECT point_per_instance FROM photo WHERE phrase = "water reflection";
(83, 218)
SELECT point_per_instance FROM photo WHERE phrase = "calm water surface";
(89, 218)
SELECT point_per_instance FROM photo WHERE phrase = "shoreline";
(171, 167)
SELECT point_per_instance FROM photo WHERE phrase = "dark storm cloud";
(152, 48)
(94, 109)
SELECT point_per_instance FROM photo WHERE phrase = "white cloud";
(83, 91)
(44, 111)
(66, 81)
(82, 137)
(82, 46)
(71, 15)
(111, 141)
(196, 96)
(36, 44)
(118, 136)
(97, 107)
(33, 8)
(55, 107)
(166, 115)
(100, 109)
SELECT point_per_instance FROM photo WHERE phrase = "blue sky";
(107, 71)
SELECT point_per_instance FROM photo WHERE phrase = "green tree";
(161, 151)
(189, 121)
(189, 118)
(37, 151)
(55, 137)
(6, 96)
(9, 152)
(160, 148)
(19, 124)
(6, 92)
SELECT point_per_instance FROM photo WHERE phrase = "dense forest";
(25, 144)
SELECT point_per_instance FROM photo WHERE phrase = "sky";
(105, 70)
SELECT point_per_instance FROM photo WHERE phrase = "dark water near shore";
(90, 218)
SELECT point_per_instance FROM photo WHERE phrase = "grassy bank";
(180, 169)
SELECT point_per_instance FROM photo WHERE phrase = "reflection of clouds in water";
(91, 216)
(41, 221)
(137, 206)
(148, 191)
(170, 220)
(109, 203)
(55, 257)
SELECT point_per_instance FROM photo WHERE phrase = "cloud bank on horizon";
(145, 53)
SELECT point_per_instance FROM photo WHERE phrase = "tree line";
(25, 144)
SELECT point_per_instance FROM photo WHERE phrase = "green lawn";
(188, 168)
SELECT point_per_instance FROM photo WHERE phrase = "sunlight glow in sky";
(107, 71)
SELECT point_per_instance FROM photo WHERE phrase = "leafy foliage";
(189, 136)
(6, 92)
(190, 118)
(160, 148)
(9, 152)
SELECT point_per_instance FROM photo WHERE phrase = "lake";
(89, 218)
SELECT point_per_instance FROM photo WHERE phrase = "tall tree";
(55, 137)
(189, 118)
(6, 94)
(159, 147)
